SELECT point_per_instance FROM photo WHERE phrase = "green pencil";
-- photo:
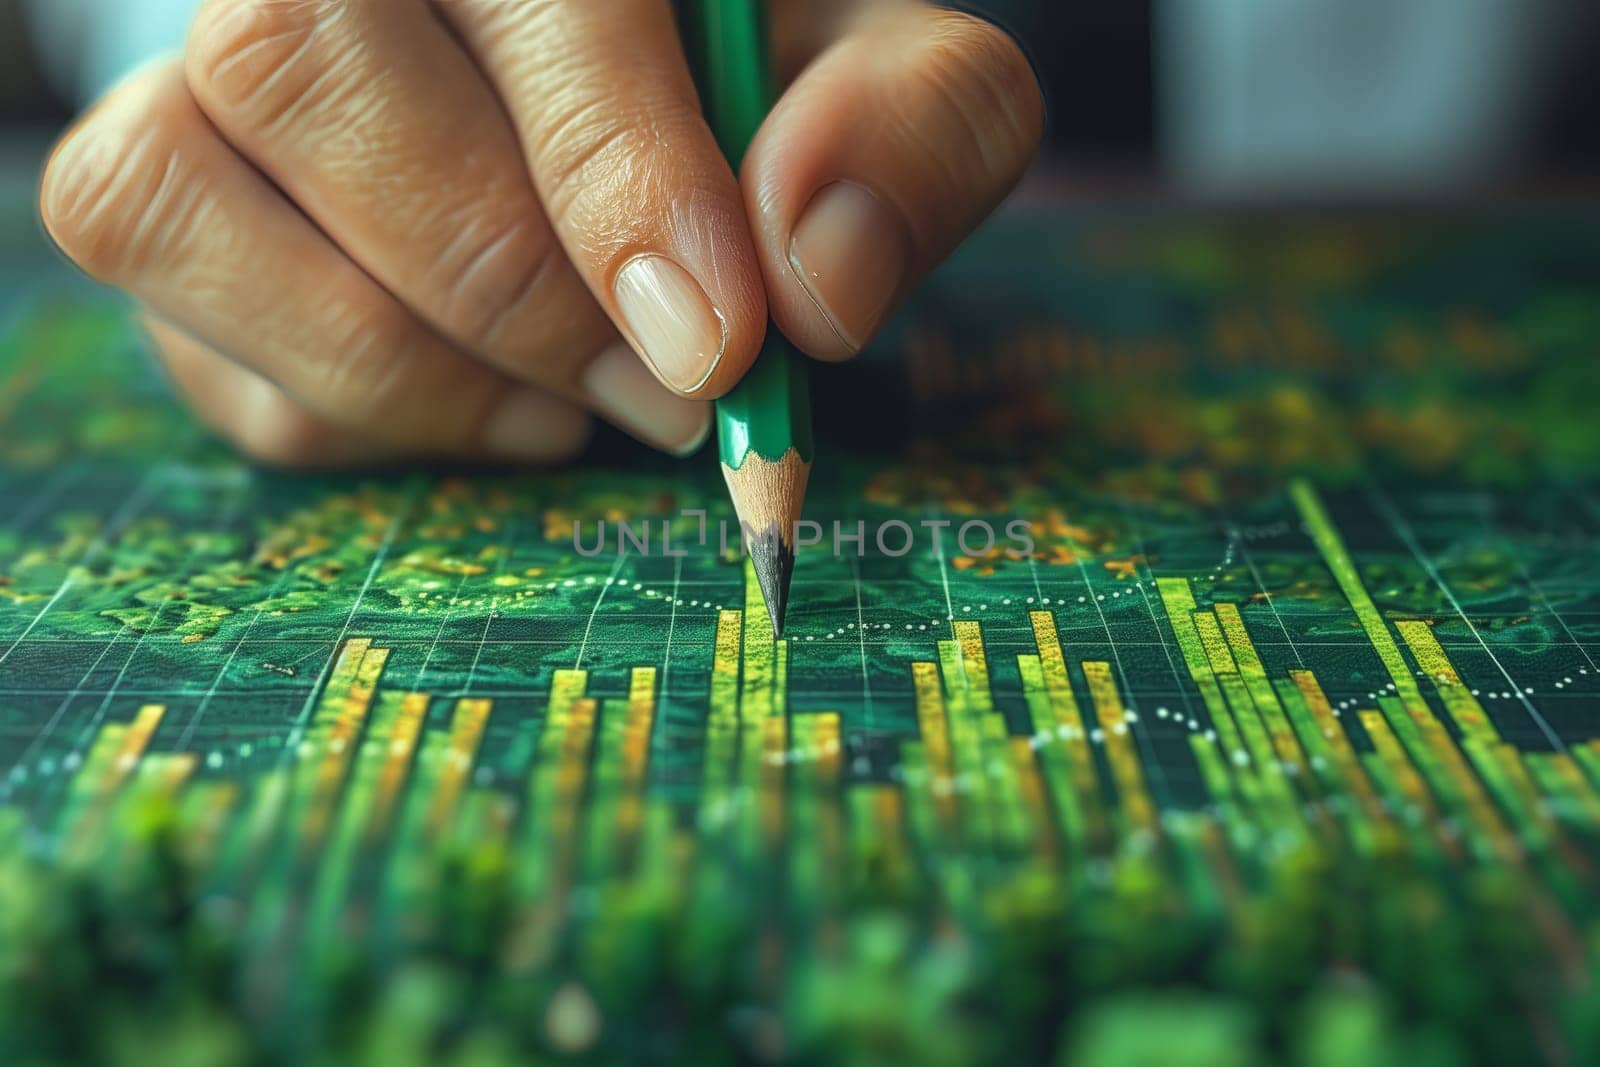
(764, 424)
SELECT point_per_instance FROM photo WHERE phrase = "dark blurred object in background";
(1207, 96)
(24, 97)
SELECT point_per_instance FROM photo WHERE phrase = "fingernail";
(628, 396)
(851, 253)
(672, 321)
(529, 424)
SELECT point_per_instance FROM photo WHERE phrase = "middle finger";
(370, 117)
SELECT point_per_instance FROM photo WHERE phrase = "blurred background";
(1229, 98)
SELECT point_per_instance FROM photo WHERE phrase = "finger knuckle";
(490, 279)
(266, 62)
(588, 152)
(279, 435)
(361, 367)
(120, 193)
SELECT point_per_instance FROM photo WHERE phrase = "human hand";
(367, 229)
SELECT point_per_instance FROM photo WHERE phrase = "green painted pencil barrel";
(769, 411)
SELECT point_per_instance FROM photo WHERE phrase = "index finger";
(630, 176)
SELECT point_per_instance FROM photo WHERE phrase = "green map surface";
(1281, 746)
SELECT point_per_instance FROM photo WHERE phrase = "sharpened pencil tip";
(774, 566)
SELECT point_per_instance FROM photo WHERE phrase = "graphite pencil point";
(773, 561)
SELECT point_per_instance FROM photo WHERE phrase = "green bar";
(344, 844)
(966, 752)
(1178, 600)
(413, 871)
(1262, 694)
(1326, 537)
(536, 859)
(1053, 759)
(600, 847)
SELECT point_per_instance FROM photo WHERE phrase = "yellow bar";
(1124, 759)
(1258, 744)
(1178, 599)
(1217, 652)
(1053, 668)
(1349, 764)
(1470, 718)
(1069, 725)
(934, 728)
(1431, 731)
(775, 745)
(566, 688)
(755, 696)
(165, 773)
(889, 808)
(397, 761)
(345, 668)
(1260, 689)
(1560, 770)
(208, 814)
(725, 666)
(1337, 556)
(1516, 772)
(641, 695)
(1051, 660)
(1057, 684)
(1588, 757)
(134, 743)
(466, 733)
(1253, 731)
(636, 753)
(575, 747)
(570, 778)
(179, 769)
(756, 709)
(1322, 711)
(1445, 769)
(1244, 652)
(543, 854)
(780, 677)
(1065, 794)
(976, 706)
(339, 748)
(968, 759)
(1414, 790)
(1031, 788)
(112, 759)
(1501, 768)
(722, 724)
(974, 666)
(1567, 769)
(829, 748)
(830, 753)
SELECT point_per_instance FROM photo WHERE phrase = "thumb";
(878, 161)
